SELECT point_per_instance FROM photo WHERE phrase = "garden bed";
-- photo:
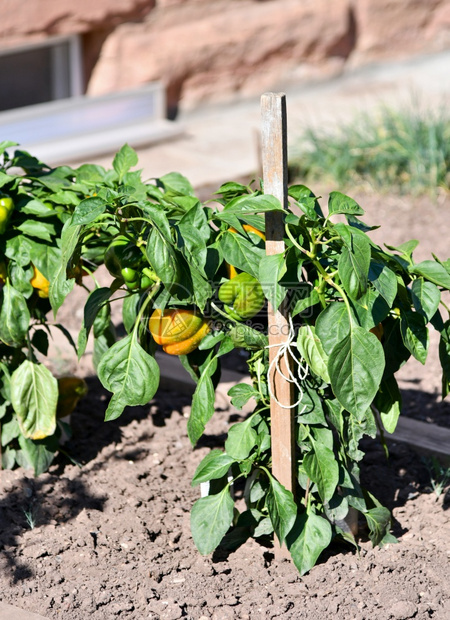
(112, 538)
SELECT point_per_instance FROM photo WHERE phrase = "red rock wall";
(216, 49)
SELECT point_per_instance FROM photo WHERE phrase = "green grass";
(407, 150)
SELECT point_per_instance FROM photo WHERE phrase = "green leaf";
(281, 507)
(40, 230)
(34, 395)
(174, 182)
(332, 325)
(211, 518)
(356, 366)
(240, 252)
(322, 468)
(353, 266)
(130, 373)
(37, 454)
(94, 304)
(444, 358)
(202, 408)
(215, 465)
(248, 338)
(251, 204)
(60, 287)
(14, 317)
(125, 159)
(379, 522)
(241, 393)
(310, 348)
(415, 334)
(432, 271)
(242, 438)
(388, 401)
(10, 430)
(357, 425)
(426, 297)
(88, 211)
(310, 535)
(305, 296)
(340, 203)
(384, 280)
(271, 270)
(163, 259)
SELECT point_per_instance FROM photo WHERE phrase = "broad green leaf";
(371, 309)
(248, 338)
(251, 204)
(211, 518)
(37, 455)
(415, 334)
(384, 280)
(322, 468)
(174, 182)
(332, 325)
(241, 393)
(379, 522)
(271, 269)
(60, 286)
(356, 426)
(240, 252)
(340, 203)
(14, 317)
(129, 312)
(163, 259)
(432, 271)
(304, 297)
(281, 507)
(125, 159)
(215, 465)
(426, 297)
(388, 401)
(96, 301)
(202, 408)
(88, 210)
(354, 265)
(130, 373)
(34, 395)
(444, 358)
(310, 410)
(241, 439)
(19, 250)
(10, 430)
(356, 366)
(194, 231)
(311, 349)
(39, 230)
(310, 535)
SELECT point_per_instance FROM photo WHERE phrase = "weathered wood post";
(274, 164)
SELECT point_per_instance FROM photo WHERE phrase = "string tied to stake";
(286, 353)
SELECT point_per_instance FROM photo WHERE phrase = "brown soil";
(112, 538)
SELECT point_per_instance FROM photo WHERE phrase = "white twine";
(285, 351)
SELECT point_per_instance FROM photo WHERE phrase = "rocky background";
(210, 50)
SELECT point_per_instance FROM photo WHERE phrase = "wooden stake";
(274, 163)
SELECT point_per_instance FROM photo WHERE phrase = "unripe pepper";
(231, 270)
(179, 331)
(242, 296)
(6, 209)
(121, 254)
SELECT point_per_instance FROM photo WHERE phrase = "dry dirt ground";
(112, 538)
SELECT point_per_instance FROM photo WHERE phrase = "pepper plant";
(35, 203)
(358, 313)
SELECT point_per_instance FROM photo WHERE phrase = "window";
(41, 72)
